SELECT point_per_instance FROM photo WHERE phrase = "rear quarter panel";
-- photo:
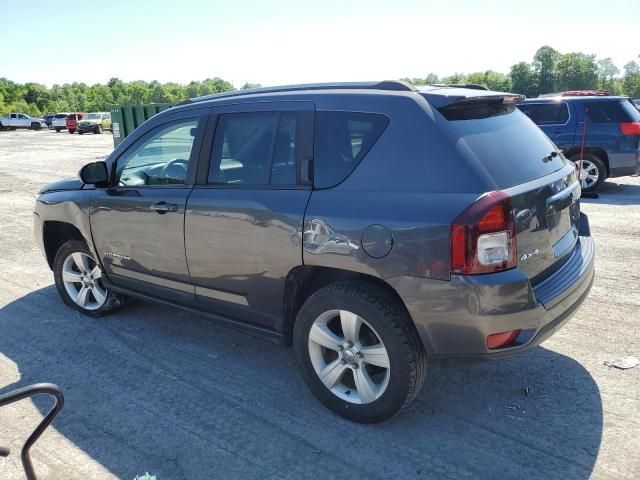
(413, 181)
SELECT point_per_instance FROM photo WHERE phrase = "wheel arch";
(597, 151)
(303, 280)
(55, 234)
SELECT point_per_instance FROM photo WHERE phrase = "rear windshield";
(510, 146)
(620, 111)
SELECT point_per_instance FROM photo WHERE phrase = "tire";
(36, 126)
(80, 132)
(592, 164)
(57, 129)
(98, 300)
(400, 364)
(98, 129)
(72, 131)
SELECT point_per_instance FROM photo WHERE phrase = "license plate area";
(563, 227)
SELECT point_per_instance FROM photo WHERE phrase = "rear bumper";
(454, 318)
(624, 164)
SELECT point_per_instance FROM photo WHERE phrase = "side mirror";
(95, 174)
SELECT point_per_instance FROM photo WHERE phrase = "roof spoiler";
(463, 96)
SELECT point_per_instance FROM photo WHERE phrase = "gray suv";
(374, 227)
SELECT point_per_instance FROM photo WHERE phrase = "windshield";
(93, 116)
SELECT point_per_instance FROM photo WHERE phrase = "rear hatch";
(526, 165)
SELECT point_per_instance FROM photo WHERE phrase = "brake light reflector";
(504, 339)
(630, 128)
(483, 237)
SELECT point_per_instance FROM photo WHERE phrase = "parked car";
(612, 137)
(72, 121)
(375, 227)
(48, 120)
(95, 122)
(14, 121)
(59, 122)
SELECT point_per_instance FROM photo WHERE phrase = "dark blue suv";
(612, 136)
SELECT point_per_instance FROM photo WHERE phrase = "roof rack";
(577, 93)
(391, 85)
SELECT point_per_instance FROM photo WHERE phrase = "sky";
(298, 41)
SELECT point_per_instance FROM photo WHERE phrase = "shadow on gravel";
(616, 194)
(152, 389)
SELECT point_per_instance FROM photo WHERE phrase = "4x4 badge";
(527, 256)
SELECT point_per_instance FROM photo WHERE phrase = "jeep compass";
(376, 228)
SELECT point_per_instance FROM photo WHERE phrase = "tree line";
(550, 71)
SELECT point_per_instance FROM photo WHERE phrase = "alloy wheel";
(82, 280)
(589, 173)
(349, 356)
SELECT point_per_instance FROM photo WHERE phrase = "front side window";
(342, 139)
(546, 113)
(159, 159)
(256, 148)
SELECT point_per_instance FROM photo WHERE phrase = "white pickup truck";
(20, 120)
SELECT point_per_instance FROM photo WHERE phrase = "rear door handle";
(164, 207)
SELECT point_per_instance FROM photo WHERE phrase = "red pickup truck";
(72, 121)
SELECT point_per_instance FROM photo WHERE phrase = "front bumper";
(454, 318)
(86, 128)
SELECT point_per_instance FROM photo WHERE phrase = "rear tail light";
(630, 128)
(483, 237)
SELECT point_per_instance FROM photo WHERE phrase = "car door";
(138, 222)
(244, 218)
(555, 119)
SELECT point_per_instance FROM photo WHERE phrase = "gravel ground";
(154, 389)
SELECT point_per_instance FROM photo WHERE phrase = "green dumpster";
(126, 118)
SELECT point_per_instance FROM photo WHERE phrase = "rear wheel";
(98, 129)
(72, 130)
(80, 132)
(79, 281)
(358, 351)
(592, 173)
(58, 130)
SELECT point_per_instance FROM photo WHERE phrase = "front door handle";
(164, 207)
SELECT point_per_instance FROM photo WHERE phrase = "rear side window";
(511, 148)
(257, 148)
(342, 139)
(620, 111)
(546, 113)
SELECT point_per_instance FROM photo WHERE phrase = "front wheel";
(58, 130)
(592, 173)
(36, 126)
(78, 279)
(358, 351)
(72, 130)
(98, 129)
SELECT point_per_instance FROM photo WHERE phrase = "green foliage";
(545, 62)
(35, 99)
(577, 71)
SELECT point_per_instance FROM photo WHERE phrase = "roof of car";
(581, 98)
(386, 85)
